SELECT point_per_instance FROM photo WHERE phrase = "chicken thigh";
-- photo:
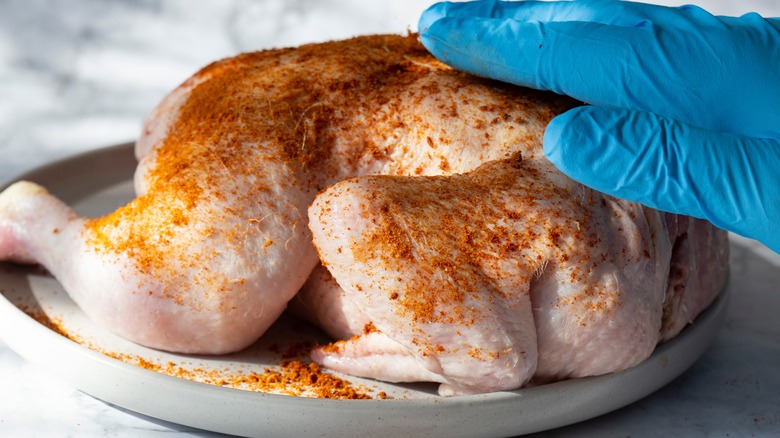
(217, 241)
(423, 282)
(463, 276)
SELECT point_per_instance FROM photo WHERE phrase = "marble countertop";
(79, 75)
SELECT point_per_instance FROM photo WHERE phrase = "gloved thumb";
(730, 180)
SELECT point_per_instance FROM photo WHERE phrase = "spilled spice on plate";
(292, 376)
(53, 324)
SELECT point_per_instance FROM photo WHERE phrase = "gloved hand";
(685, 106)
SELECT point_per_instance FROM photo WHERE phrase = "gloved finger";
(730, 180)
(523, 11)
(642, 68)
(599, 59)
(612, 12)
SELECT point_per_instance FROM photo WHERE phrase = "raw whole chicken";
(458, 254)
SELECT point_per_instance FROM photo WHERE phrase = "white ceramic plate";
(99, 181)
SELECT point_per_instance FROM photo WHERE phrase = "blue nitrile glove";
(685, 113)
